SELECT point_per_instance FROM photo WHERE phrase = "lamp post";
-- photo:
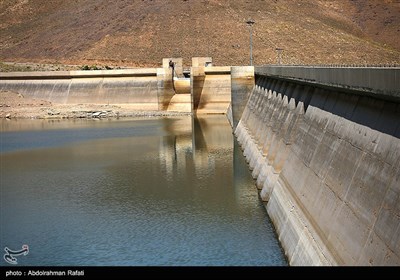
(279, 50)
(250, 23)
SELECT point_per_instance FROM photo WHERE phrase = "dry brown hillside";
(142, 32)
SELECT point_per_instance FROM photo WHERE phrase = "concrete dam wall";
(325, 154)
(147, 89)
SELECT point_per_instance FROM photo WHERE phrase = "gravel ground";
(15, 105)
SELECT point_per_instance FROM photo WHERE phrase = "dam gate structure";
(206, 91)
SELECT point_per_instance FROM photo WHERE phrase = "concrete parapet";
(379, 82)
(217, 70)
(139, 72)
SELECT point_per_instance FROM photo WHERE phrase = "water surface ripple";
(162, 191)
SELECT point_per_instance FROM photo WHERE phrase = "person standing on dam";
(171, 64)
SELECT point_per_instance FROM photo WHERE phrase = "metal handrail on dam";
(375, 81)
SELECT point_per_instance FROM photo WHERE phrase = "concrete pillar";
(197, 78)
(165, 83)
(242, 83)
(165, 90)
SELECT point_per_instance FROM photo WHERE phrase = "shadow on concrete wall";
(375, 113)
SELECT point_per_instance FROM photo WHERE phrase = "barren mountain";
(142, 32)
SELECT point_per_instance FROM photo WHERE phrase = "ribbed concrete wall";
(149, 89)
(328, 163)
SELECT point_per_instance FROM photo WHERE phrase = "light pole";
(279, 50)
(250, 23)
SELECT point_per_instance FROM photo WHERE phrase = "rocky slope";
(142, 32)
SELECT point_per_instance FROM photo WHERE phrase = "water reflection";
(198, 140)
(168, 191)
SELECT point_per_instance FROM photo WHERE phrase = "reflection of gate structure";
(191, 144)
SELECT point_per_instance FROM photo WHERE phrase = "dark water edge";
(160, 191)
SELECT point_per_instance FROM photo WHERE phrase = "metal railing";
(334, 65)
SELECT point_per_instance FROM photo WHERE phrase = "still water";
(159, 191)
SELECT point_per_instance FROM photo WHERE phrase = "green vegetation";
(95, 67)
(7, 67)
(25, 67)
